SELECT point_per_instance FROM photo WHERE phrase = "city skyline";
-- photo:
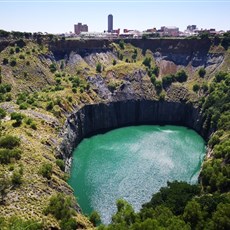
(60, 16)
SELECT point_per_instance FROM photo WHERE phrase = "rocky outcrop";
(98, 118)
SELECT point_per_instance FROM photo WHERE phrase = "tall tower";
(110, 23)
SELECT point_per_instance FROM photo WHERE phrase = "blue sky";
(60, 16)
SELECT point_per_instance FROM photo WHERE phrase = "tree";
(125, 213)
(221, 217)
(193, 213)
(175, 196)
(68, 224)
(95, 218)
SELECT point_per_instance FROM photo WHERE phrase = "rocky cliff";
(97, 118)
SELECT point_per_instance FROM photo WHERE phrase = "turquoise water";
(133, 163)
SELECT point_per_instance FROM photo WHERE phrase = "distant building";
(191, 28)
(153, 30)
(170, 31)
(117, 31)
(80, 28)
(110, 23)
(131, 34)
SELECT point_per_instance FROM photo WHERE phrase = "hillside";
(46, 84)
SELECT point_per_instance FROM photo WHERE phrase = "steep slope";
(50, 86)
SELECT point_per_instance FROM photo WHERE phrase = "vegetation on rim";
(37, 92)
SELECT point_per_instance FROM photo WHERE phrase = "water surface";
(133, 163)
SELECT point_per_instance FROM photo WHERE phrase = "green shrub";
(95, 218)
(181, 76)
(122, 44)
(13, 62)
(7, 155)
(70, 99)
(21, 56)
(220, 76)
(17, 49)
(11, 51)
(33, 126)
(46, 170)
(9, 142)
(16, 154)
(58, 81)
(68, 224)
(196, 88)
(5, 61)
(98, 67)
(23, 106)
(16, 223)
(49, 105)
(147, 62)
(74, 90)
(58, 87)
(18, 117)
(4, 186)
(214, 140)
(204, 87)
(5, 88)
(28, 121)
(60, 206)
(75, 82)
(60, 163)
(53, 67)
(155, 70)
(16, 178)
(167, 80)
(114, 62)
(153, 78)
(202, 72)
(8, 97)
(22, 97)
(2, 113)
(158, 86)
(162, 96)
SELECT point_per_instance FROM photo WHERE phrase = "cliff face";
(97, 118)
(179, 51)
